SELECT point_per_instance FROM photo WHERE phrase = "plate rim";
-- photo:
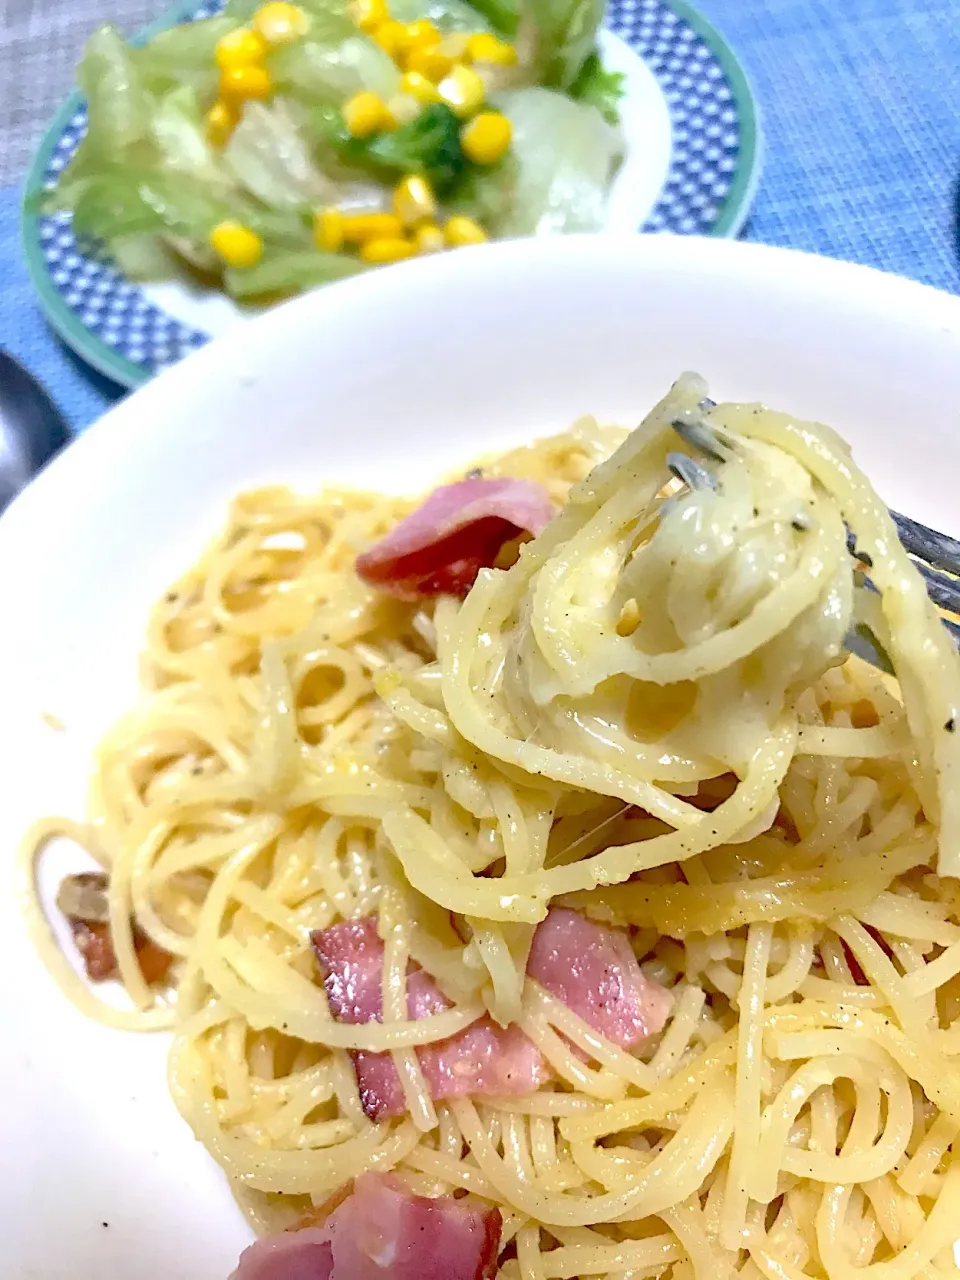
(109, 362)
(823, 278)
(738, 201)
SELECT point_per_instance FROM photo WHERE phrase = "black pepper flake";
(104, 1224)
(951, 725)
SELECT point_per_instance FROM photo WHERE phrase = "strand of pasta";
(746, 1133)
(263, 791)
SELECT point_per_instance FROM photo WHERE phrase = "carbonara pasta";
(648, 718)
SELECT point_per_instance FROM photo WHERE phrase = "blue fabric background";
(860, 112)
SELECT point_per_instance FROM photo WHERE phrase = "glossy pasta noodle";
(649, 717)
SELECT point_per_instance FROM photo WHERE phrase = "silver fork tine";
(936, 555)
(928, 545)
(942, 590)
(703, 438)
(690, 472)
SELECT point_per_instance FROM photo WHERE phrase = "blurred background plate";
(691, 167)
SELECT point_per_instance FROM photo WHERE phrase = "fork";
(935, 555)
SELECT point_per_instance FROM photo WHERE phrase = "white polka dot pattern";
(89, 282)
(705, 152)
(703, 114)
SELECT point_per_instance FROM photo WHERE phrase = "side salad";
(279, 146)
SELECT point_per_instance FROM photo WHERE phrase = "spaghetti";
(649, 718)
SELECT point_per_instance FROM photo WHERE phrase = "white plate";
(496, 345)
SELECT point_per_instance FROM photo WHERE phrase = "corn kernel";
(463, 90)
(486, 137)
(403, 107)
(416, 84)
(328, 230)
(483, 47)
(220, 122)
(388, 249)
(368, 14)
(431, 62)
(429, 238)
(240, 48)
(391, 37)
(359, 228)
(414, 201)
(460, 230)
(422, 34)
(236, 245)
(279, 22)
(240, 83)
(365, 113)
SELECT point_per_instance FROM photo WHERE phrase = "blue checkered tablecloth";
(861, 118)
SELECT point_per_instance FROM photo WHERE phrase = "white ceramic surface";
(488, 347)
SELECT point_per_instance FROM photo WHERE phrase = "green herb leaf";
(428, 145)
(600, 88)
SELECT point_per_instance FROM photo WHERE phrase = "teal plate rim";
(732, 210)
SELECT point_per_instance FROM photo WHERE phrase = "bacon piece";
(94, 941)
(95, 945)
(383, 1232)
(594, 971)
(591, 968)
(83, 900)
(483, 1058)
(441, 547)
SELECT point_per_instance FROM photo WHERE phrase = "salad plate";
(691, 154)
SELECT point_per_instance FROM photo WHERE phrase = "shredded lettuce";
(148, 182)
(144, 257)
(288, 272)
(330, 20)
(564, 157)
(119, 108)
(124, 202)
(182, 55)
(272, 161)
(334, 72)
(447, 15)
(555, 38)
(181, 140)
